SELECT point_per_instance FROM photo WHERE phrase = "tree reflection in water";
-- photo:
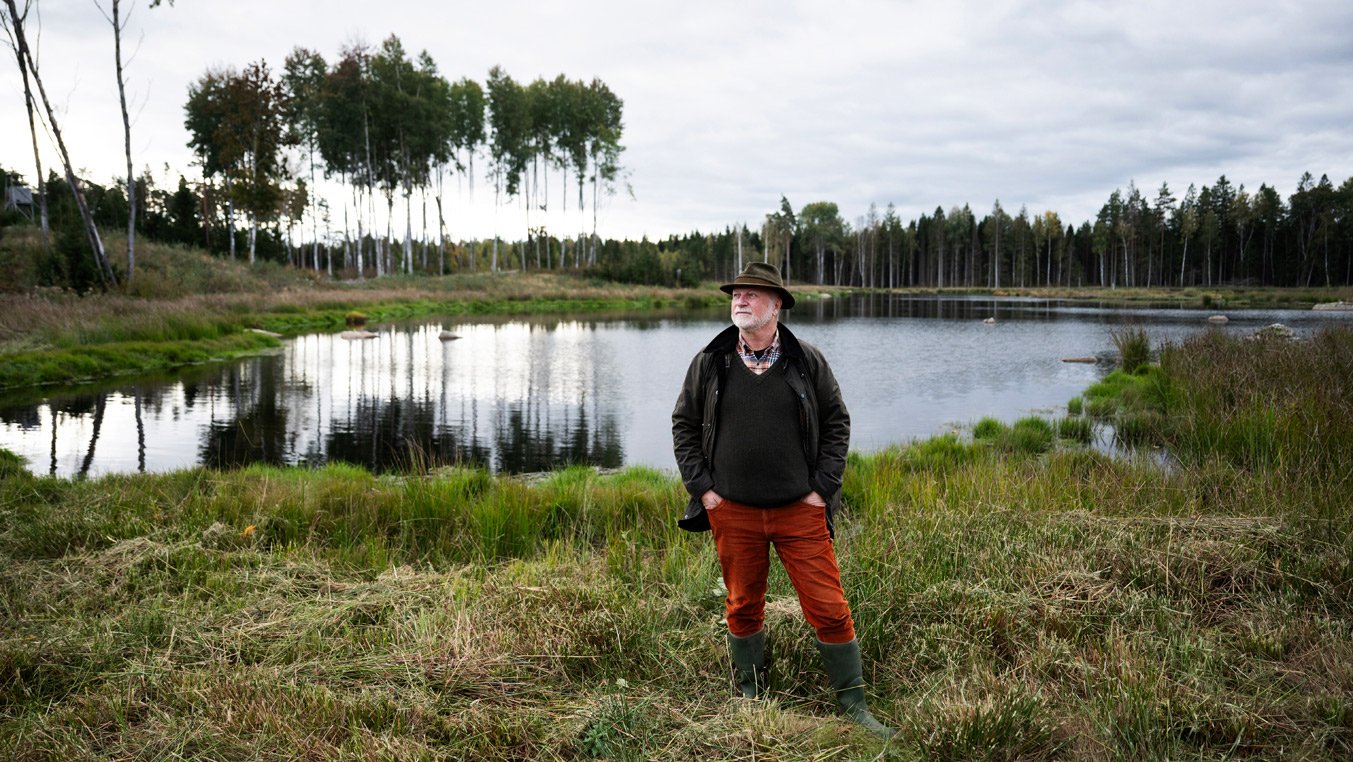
(397, 408)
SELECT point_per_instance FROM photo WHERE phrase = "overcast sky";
(728, 105)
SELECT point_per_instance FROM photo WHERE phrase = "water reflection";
(513, 397)
(530, 395)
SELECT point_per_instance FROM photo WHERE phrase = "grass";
(1064, 605)
(1134, 349)
(1012, 602)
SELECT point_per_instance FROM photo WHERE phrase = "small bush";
(1075, 406)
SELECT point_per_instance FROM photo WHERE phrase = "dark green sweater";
(758, 458)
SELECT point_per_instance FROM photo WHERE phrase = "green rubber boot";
(749, 663)
(846, 675)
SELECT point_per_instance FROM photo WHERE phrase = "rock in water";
(1218, 319)
(1334, 306)
(1274, 331)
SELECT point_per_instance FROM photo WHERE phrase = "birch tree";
(303, 75)
(119, 23)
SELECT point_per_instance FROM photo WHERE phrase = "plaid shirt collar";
(759, 362)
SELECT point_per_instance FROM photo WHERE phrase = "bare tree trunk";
(441, 227)
(314, 213)
(358, 245)
(1183, 260)
(230, 215)
(118, 23)
(738, 269)
(408, 229)
(91, 232)
(423, 193)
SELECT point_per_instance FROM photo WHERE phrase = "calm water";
(532, 394)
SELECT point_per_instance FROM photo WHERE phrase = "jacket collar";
(727, 341)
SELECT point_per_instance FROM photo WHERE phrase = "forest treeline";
(1220, 234)
(388, 127)
(386, 131)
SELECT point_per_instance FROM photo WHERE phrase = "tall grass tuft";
(1030, 435)
(1076, 428)
(1134, 349)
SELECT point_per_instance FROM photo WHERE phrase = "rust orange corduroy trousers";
(743, 535)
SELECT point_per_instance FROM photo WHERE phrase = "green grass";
(70, 366)
(1010, 606)
(1027, 435)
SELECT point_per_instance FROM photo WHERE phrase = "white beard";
(753, 322)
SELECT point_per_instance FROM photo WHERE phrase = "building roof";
(17, 195)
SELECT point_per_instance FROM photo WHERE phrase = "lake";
(531, 394)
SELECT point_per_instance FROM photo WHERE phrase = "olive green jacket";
(823, 419)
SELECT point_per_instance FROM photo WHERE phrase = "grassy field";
(1017, 597)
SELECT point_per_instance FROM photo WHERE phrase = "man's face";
(754, 308)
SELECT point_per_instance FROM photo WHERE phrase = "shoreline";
(74, 340)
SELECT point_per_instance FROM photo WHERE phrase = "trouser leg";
(805, 549)
(744, 557)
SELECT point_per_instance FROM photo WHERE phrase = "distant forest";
(1218, 235)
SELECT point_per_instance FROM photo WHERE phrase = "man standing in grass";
(761, 432)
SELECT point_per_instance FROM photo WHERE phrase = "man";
(761, 433)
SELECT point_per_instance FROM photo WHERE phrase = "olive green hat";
(761, 275)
